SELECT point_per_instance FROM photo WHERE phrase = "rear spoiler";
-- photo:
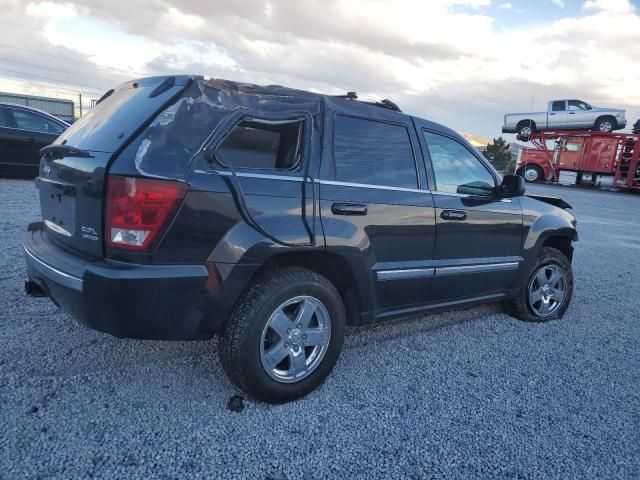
(555, 201)
(59, 151)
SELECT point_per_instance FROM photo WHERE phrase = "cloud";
(446, 60)
(506, 6)
(612, 6)
(558, 3)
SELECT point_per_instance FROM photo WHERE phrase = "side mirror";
(511, 186)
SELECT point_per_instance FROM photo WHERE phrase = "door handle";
(552, 114)
(572, 113)
(453, 215)
(349, 209)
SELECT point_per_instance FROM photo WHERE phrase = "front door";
(478, 235)
(376, 210)
(579, 114)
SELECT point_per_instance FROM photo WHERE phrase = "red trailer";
(614, 156)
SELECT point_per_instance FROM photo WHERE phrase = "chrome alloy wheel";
(295, 339)
(526, 131)
(531, 174)
(606, 126)
(547, 290)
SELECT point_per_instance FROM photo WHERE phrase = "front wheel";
(605, 124)
(548, 291)
(532, 173)
(284, 336)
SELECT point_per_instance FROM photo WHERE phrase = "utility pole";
(80, 95)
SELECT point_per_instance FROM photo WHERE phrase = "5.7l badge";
(89, 233)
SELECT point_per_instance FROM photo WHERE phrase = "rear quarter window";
(373, 152)
(258, 144)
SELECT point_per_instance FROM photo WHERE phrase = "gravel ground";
(471, 393)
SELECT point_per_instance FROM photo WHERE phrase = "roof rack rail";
(348, 96)
(386, 103)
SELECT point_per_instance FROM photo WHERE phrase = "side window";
(577, 105)
(572, 147)
(375, 153)
(558, 106)
(260, 144)
(456, 169)
(38, 123)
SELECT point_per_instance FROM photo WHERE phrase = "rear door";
(478, 236)
(375, 208)
(557, 117)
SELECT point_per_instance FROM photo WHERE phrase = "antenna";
(533, 95)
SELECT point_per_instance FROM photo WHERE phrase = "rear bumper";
(163, 302)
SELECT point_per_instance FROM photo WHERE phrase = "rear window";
(110, 124)
(374, 153)
(257, 144)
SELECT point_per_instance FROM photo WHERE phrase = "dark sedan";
(23, 132)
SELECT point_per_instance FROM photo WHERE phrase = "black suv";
(183, 208)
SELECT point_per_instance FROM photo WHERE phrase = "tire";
(525, 305)
(251, 340)
(525, 129)
(605, 125)
(532, 173)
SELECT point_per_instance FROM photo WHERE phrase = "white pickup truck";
(565, 115)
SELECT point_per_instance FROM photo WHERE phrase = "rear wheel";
(548, 290)
(525, 129)
(284, 336)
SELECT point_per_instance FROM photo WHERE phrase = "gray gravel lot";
(472, 393)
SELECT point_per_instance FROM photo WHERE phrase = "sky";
(463, 63)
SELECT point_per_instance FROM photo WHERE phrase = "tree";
(499, 154)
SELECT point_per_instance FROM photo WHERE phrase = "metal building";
(63, 109)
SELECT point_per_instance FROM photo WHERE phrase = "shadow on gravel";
(418, 324)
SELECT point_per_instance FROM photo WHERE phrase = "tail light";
(138, 211)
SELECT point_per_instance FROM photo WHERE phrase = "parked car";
(183, 208)
(565, 115)
(23, 132)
